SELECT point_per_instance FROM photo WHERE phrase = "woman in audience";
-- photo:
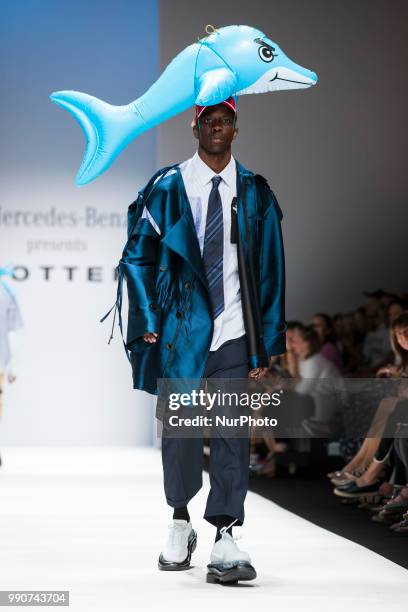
(311, 363)
(322, 324)
(348, 341)
(394, 310)
(313, 367)
(361, 468)
(373, 477)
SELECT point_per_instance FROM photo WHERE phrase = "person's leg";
(385, 408)
(385, 445)
(400, 472)
(182, 460)
(229, 456)
(181, 514)
(398, 475)
(369, 447)
(399, 478)
(401, 448)
(229, 475)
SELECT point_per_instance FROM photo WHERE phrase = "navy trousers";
(229, 457)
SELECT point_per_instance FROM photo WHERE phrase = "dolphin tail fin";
(107, 128)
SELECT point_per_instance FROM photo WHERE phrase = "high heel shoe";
(402, 526)
(341, 473)
(399, 503)
(352, 490)
(348, 477)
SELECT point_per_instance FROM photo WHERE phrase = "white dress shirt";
(197, 180)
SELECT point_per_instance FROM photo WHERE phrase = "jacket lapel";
(245, 179)
(182, 237)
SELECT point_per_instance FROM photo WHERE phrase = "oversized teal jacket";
(166, 282)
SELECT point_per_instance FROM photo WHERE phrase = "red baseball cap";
(230, 102)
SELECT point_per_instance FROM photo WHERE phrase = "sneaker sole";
(173, 566)
(241, 571)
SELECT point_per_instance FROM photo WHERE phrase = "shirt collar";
(205, 173)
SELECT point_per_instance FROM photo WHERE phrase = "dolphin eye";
(265, 53)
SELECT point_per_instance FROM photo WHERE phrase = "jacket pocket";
(179, 305)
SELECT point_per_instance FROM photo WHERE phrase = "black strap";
(234, 221)
(249, 293)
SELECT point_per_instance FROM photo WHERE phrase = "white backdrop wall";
(71, 388)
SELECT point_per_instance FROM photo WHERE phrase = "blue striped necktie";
(214, 247)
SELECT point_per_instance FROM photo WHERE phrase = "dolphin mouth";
(307, 83)
(279, 79)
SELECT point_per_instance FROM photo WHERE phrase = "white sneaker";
(225, 552)
(227, 562)
(181, 543)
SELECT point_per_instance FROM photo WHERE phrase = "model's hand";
(150, 337)
(11, 377)
(257, 373)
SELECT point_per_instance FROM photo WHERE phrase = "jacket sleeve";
(138, 264)
(272, 276)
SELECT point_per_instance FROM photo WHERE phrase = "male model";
(203, 305)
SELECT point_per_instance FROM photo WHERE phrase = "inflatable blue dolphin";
(235, 60)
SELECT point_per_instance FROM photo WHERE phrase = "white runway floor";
(92, 521)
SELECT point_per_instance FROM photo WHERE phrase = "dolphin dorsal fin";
(215, 86)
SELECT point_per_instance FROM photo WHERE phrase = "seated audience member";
(322, 324)
(288, 362)
(394, 310)
(395, 508)
(281, 368)
(374, 476)
(362, 468)
(347, 341)
(399, 345)
(313, 368)
(376, 345)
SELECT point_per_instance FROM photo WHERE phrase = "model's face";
(402, 337)
(215, 130)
